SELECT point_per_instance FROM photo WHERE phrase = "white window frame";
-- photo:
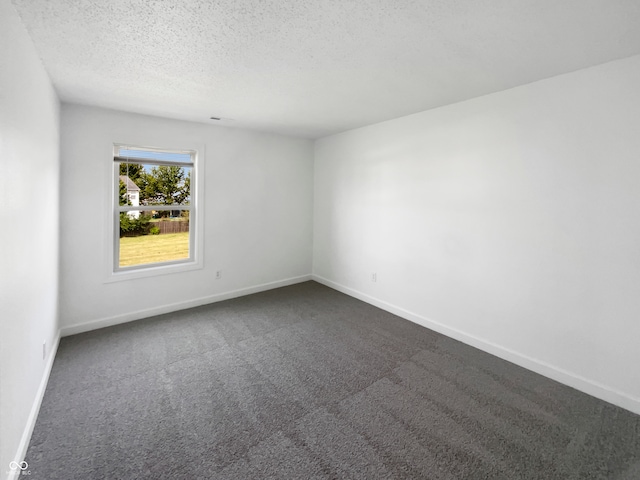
(195, 261)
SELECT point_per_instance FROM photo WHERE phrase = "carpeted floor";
(304, 382)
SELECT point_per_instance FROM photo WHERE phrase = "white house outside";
(133, 194)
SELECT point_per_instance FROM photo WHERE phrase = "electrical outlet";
(218, 274)
(44, 349)
(374, 277)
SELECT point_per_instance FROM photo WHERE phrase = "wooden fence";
(167, 226)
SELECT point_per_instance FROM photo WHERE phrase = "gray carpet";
(303, 382)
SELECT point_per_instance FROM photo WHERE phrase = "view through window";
(153, 206)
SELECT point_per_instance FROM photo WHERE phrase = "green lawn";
(153, 248)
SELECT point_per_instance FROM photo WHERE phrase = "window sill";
(152, 271)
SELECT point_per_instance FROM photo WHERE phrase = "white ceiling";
(315, 67)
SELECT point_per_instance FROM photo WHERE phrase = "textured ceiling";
(315, 67)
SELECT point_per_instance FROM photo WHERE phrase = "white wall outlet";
(44, 349)
(374, 277)
(218, 274)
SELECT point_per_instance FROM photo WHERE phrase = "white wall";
(257, 225)
(29, 157)
(511, 221)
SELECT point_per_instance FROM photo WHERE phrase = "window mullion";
(151, 208)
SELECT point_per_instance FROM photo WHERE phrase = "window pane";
(148, 184)
(145, 239)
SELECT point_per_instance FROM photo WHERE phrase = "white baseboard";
(35, 409)
(173, 307)
(578, 382)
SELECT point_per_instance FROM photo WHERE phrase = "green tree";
(166, 185)
(134, 171)
(124, 199)
(187, 187)
(134, 226)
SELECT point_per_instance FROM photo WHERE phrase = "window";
(154, 209)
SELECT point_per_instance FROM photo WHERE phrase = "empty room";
(320, 239)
